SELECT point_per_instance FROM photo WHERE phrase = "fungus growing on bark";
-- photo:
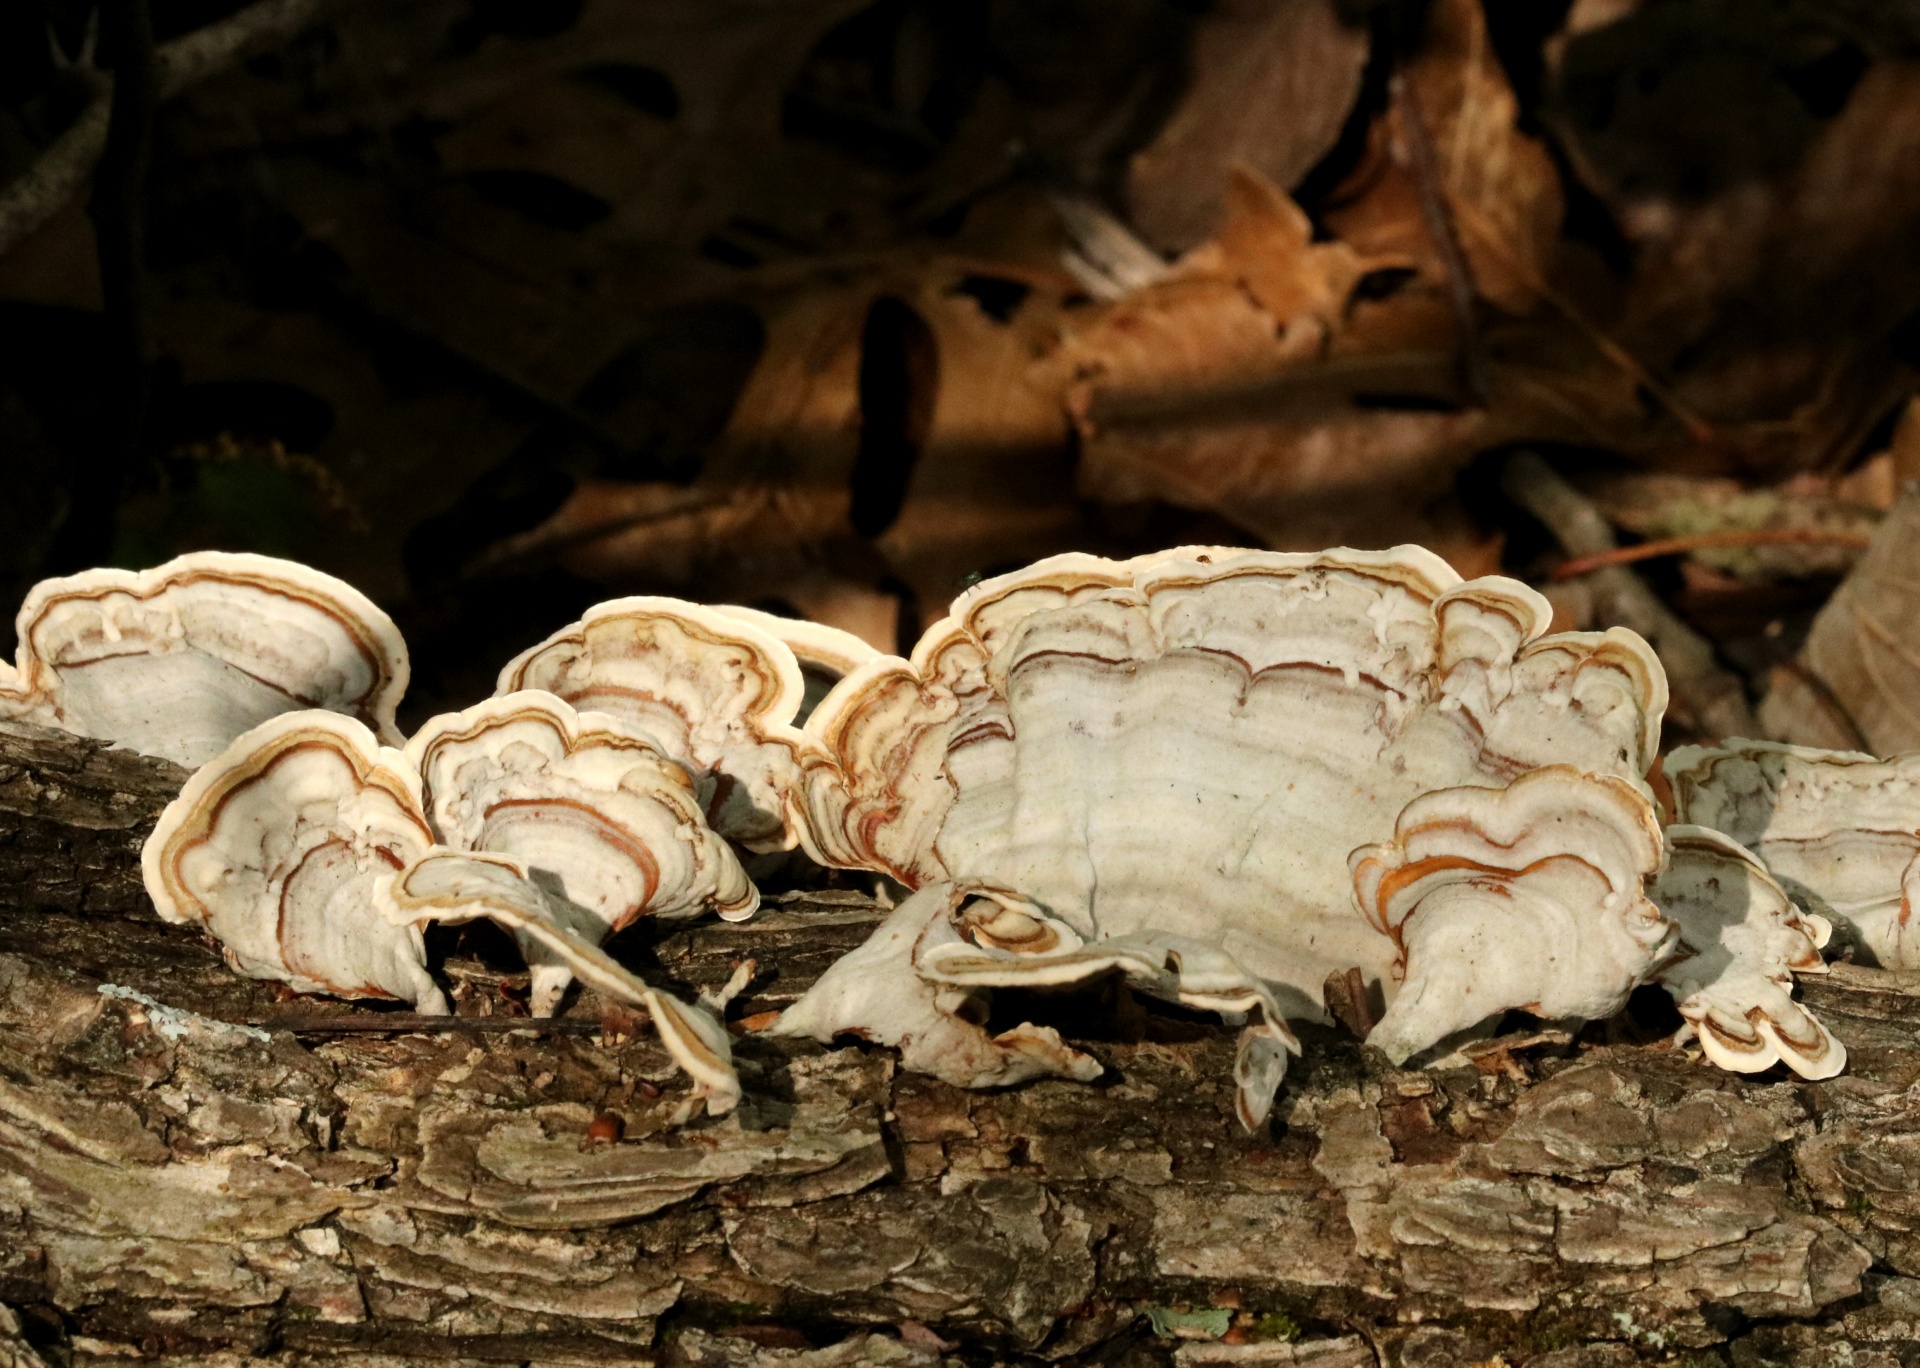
(305, 848)
(179, 660)
(716, 690)
(1162, 766)
(611, 824)
(453, 886)
(274, 845)
(1741, 942)
(1840, 831)
(1530, 896)
(826, 654)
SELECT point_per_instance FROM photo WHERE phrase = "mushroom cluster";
(1227, 776)
(315, 853)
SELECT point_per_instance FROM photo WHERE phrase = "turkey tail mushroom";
(596, 809)
(273, 847)
(1840, 831)
(876, 993)
(452, 886)
(179, 660)
(715, 688)
(1162, 764)
(1531, 896)
(1742, 941)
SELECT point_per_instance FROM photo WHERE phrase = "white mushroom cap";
(1840, 830)
(1742, 941)
(451, 886)
(717, 691)
(597, 810)
(179, 660)
(1454, 679)
(273, 847)
(1173, 757)
(1531, 896)
(826, 654)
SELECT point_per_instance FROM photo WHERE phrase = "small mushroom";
(453, 886)
(179, 660)
(1530, 896)
(1741, 942)
(716, 690)
(1840, 831)
(274, 845)
(598, 813)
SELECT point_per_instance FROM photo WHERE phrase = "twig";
(1715, 697)
(1701, 541)
(1461, 290)
(52, 182)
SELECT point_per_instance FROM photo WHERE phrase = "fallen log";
(184, 1180)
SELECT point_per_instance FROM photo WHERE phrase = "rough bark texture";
(180, 1185)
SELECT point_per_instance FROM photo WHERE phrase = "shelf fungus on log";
(273, 847)
(716, 690)
(1161, 767)
(455, 886)
(1741, 942)
(826, 654)
(1530, 896)
(597, 811)
(179, 660)
(1840, 830)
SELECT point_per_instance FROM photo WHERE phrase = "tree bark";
(184, 1183)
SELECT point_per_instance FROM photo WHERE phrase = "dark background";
(499, 307)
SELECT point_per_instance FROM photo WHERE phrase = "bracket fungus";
(274, 845)
(826, 654)
(713, 687)
(1162, 767)
(1840, 830)
(1741, 942)
(589, 805)
(1533, 895)
(452, 886)
(179, 660)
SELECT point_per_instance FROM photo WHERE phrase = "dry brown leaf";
(1252, 383)
(1266, 246)
(1820, 263)
(1501, 185)
(1270, 86)
(988, 481)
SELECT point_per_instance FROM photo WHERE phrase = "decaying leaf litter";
(499, 311)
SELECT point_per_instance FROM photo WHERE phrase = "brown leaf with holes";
(1304, 390)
